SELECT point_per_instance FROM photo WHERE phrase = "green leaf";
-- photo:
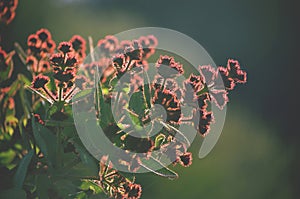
(58, 123)
(21, 53)
(82, 170)
(90, 185)
(11, 119)
(24, 79)
(6, 74)
(100, 104)
(147, 89)
(69, 131)
(82, 94)
(13, 88)
(26, 103)
(79, 195)
(159, 140)
(22, 170)
(132, 119)
(137, 103)
(152, 163)
(113, 82)
(64, 187)
(45, 140)
(7, 157)
(43, 183)
(13, 193)
(86, 158)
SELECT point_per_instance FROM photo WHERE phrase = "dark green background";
(257, 154)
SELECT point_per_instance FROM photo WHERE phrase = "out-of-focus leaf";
(13, 88)
(13, 193)
(137, 103)
(43, 183)
(21, 53)
(99, 94)
(147, 89)
(90, 185)
(7, 157)
(132, 119)
(11, 119)
(82, 94)
(6, 74)
(24, 79)
(69, 131)
(45, 140)
(82, 170)
(58, 123)
(79, 195)
(113, 82)
(65, 187)
(22, 170)
(24, 100)
(86, 158)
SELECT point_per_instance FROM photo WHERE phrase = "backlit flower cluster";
(199, 91)
(136, 104)
(40, 47)
(42, 59)
(117, 57)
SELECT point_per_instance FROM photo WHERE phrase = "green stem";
(48, 93)
(91, 48)
(117, 101)
(127, 67)
(69, 94)
(60, 93)
(163, 84)
(111, 174)
(58, 147)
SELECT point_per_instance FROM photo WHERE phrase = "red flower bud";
(168, 68)
(39, 81)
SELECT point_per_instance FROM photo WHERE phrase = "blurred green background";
(257, 154)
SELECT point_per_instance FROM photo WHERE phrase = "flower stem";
(58, 147)
(60, 92)
(69, 94)
(163, 84)
(48, 93)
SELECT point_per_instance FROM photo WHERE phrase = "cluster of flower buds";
(79, 47)
(40, 46)
(199, 91)
(115, 184)
(211, 86)
(127, 54)
(63, 65)
(7, 10)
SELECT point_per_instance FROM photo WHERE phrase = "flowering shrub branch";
(49, 159)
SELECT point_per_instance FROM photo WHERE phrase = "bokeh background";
(257, 155)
